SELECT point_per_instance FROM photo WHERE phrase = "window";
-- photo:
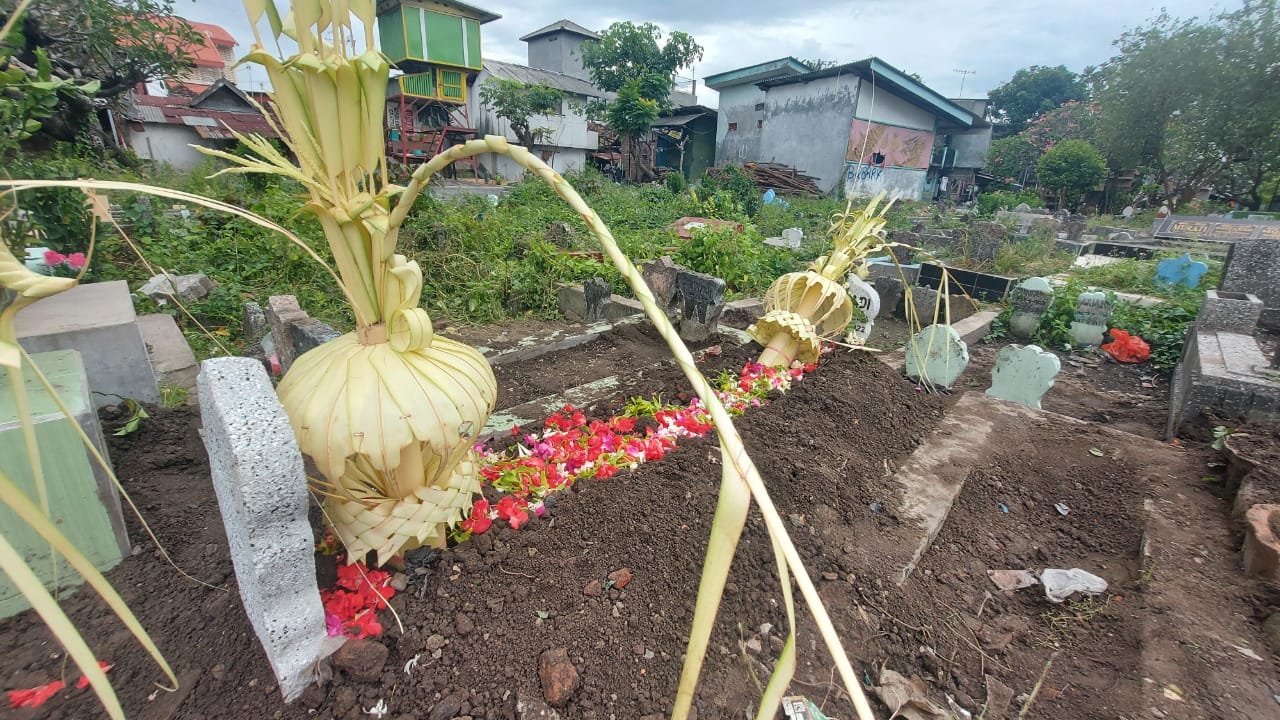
(759, 107)
(733, 126)
(759, 124)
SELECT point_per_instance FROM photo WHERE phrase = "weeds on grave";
(1077, 611)
(137, 413)
(1220, 435)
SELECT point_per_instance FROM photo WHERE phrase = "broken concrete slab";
(172, 360)
(163, 289)
(572, 302)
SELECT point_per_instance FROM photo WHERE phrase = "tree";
(626, 51)
(1185, 101)
(1031, 92)
(517, 103)
(114, 42)
(1011, 159)
(1073, 120)
(632, 61)
(1071, 168)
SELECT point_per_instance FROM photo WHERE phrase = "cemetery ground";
(609, 573)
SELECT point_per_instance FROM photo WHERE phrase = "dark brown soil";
(477, 617)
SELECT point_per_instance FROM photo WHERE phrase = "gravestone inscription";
(867, 303)
(1093, 312)
(1029, 300)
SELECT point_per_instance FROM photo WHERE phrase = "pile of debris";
(781, 178)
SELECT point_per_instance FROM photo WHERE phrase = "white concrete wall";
(169, 144)
(806, 126)
(569, 141)
(892, 110)
(862, 180)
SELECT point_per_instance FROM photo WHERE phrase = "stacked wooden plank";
(779, 177)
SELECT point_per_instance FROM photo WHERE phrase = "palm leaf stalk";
(802, 309)
(389, 412)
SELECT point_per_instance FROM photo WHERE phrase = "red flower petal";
(34, 697)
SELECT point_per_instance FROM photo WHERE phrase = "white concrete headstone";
(1023, 374)
(1030, 300)
(867, 300)
(1093, 312)
(262, 492)
(936, 355)
(792, 236)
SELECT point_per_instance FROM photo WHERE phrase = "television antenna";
(964, 75)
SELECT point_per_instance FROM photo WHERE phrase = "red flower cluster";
(571, 448)
(350, 608)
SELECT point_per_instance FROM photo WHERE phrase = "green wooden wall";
(409, 34)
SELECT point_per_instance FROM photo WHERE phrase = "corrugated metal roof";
(533, 76)
(149, 114)
(676, 120)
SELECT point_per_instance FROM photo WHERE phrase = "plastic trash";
(798, 707)
(1127, 348)
(1062, 584)
(1010, 580)
(1061, 508)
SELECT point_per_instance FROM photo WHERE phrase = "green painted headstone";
(1029, 302)
(82, 501)
(1023, 374)
(936, 355)
(1093, 312)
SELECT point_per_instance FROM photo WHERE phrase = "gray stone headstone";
(1074, 227)
(1023, 374)
(890, 290)
(1022, 208)
(660, 276)
(255, 322)
(937, 356)
(866, 300)
(1029, 302)
(597, 292)
(1093, 312)
(561, 234)
(986, 239)
(282, 312)
(701, 299)
(309, 334)
(262, 493)
(1253, 266)
(1120, 238)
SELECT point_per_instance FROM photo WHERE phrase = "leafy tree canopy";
(1010, 159)
(628, 52)
(1032, 92)
(1072, 168)
(517, 103)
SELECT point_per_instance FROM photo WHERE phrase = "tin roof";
(565, 25)
(208, 123)
(533, 76)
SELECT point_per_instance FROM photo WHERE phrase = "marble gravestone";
(1023, 374)
(1093, 312)
(1181, 271)
(936, 356)
(867, 302)
(1029, 301)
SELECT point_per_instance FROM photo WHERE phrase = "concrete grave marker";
(1181, 271)
(791, 238)
(1253, 266)
(262, 492)
(186, 288)
(936, 355)
(986, 239)
(1030, 300)
(1023, 374)
(660, 276)
(597, 292)
(867, 300)
(1093, 312)
(701, 298)
(98, 321)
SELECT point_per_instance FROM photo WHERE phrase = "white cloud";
(994, 38)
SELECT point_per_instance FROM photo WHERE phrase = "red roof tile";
(176, 110)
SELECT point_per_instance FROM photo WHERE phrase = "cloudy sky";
(934, 38)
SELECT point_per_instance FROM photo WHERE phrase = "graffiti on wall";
(876, 144)
(865, 180)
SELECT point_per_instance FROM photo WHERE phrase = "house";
(163, 128)
(859, 128)
(212, 60)
(959, 153)
(685, 140)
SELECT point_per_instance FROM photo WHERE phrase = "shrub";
(989, 203)
(1071, 168)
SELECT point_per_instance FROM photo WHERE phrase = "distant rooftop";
(891, 78)
(533, 76)
(471, 11)
(782, 67)
(559, 25)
